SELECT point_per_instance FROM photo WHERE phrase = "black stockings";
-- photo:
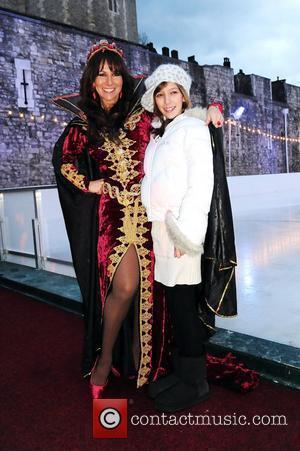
(124, 286)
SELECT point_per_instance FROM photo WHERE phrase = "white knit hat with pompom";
(164, 72)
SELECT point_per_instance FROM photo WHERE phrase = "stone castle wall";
(110, 17)
(57, 56)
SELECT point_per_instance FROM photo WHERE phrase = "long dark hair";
(164, 122)
(100, 120)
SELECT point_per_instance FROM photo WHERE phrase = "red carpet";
(45, 403)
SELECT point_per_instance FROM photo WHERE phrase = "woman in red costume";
(98, 162)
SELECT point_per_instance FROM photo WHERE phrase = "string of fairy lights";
(36, 118)
(228, 122)
(259, 131)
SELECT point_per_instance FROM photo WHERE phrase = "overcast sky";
(259, 36)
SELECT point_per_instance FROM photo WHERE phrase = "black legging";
(188, 330)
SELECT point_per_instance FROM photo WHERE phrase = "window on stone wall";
(24, 83)
(113, 5)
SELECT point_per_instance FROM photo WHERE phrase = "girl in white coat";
(176, 192)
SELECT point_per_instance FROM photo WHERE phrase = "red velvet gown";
(122, 222)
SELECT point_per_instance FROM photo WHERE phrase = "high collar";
(175, 122)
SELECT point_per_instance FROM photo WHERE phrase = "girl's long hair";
(108, 122)
(164, 122)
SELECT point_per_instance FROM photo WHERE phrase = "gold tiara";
(103, 46)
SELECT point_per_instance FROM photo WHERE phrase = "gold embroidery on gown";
(120, 157)
(69, 171)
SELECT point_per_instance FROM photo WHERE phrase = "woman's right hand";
(96, 186)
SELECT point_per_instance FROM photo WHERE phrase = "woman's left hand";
(215, 116)
(178, 253)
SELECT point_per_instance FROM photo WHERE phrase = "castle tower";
(115, 18)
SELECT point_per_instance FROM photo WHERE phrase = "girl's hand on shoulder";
(96, 186)
(215, 116)
(178, 253)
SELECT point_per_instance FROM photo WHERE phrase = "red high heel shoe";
(97, 390)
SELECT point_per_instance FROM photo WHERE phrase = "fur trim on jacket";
(179, 239)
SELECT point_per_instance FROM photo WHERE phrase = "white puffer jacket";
(178, 183)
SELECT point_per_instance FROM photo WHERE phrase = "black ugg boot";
(191, 389)
(166, 382)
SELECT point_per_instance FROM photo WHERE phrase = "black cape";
(80, 214)
(218, 296)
